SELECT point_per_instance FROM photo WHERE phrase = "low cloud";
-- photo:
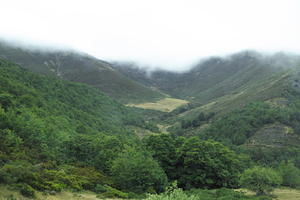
(170, 34)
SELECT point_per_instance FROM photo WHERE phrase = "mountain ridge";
(80, 67)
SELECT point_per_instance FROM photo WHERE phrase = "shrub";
(113, 193)
(260, 180)
(99, 189)
(57, 181)
(27, 190)
(290, 174)
(16, 172)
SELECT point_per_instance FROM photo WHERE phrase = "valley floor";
(164, 105)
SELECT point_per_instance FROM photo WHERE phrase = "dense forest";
(59, 135)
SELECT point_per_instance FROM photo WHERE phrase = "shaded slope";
(214, 77)
(83, 68)
(221, 84)
(80, 105)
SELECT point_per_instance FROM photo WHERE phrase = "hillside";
(221, 85)
(58, 136)
(80, 67)
(214, 77)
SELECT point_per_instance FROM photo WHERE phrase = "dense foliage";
(135, 170)
(290, 174)
(57, 135)
(260, 180)
(196, 163)
(208, 164)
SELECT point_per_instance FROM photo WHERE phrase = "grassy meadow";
(165, 105)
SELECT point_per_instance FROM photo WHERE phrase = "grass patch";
(280, 193)
(287, 194)
(165, 105)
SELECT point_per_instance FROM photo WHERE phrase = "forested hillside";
(57, 135)
(79, 67)
(216, 77)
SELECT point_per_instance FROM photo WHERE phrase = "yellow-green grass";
(7, 194)
(280, 193)
(165, 105)
(287, 194)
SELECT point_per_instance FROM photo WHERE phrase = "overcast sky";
(168, 33)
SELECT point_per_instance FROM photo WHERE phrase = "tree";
(260, 180)
(290, 174)
(163, 147)
(136, 171)
(208, 164)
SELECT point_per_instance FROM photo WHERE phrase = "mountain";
(55, 134)
(80, 67)
(216, 82)
(78, 104)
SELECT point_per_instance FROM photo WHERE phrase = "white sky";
(168, 33)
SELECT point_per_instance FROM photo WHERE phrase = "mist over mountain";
(150, 100)
(241, 68)
(72, 121)
(79, 67)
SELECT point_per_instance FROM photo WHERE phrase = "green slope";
(79, 67)
(56, 134)
(220, 85)
(213, 77)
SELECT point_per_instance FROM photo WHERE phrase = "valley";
(76, 127)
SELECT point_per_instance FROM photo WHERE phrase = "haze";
(170, 34)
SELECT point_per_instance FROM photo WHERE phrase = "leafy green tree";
(208, 164)
(163, 147)
(260, 180)
(135, 170)
(290, 174)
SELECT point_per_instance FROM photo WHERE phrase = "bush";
(290, 174)
(99, 189)
(260, 180)
(27, 190)
(16, 172)
(112, 193)
(57, 181)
